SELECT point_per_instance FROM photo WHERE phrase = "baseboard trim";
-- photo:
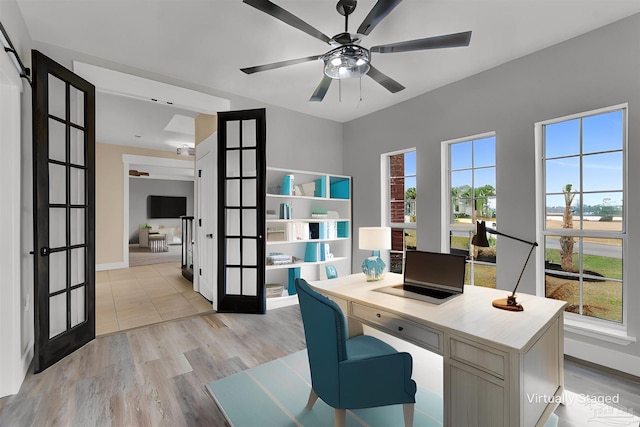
(112, 266)
(604, 357)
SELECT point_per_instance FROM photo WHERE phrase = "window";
(399, 212)
(584, 222)
(469, 195)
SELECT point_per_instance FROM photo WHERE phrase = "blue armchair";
(351, 373)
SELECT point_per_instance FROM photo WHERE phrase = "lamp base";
(373, 267)
(508, 303)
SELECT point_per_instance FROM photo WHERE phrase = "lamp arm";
(492, 231)
(533, 245)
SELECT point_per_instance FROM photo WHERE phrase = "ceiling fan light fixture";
(346, 62)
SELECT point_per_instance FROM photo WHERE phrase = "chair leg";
(312, 399)
(407, 411)
(339, 418)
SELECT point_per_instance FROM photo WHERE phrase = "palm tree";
(566, 242)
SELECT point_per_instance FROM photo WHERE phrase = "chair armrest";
(376, 381)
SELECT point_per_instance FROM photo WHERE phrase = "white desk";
(498, 365)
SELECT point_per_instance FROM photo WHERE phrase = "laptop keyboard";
(425, 291)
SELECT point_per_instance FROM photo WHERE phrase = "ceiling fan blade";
(321, 90)
(274, 65)
(386, 81)
(287, 17)
(378, 12)
(438, 42)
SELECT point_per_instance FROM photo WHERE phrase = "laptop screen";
(435, 270)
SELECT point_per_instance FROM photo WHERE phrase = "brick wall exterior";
(396, 190)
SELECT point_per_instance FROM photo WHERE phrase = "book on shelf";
(312, 252)
(320, 187)
(297, 231)
(285, 211)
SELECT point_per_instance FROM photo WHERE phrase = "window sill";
(598, 332)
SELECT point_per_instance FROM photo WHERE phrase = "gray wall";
(140, 188)
(598, 69)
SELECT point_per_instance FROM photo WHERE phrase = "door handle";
(44, 251)
(210, 236)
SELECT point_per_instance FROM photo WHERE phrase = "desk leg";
(355, 327)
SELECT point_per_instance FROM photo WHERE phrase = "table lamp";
(480, 239)
(374, 239)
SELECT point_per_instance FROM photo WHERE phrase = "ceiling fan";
(346, 58)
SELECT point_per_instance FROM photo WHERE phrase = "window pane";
(484, 152)
(561, 254)
(602, 172)
(555, 209)
(484, 275)
(561, 172)
(460, 155)
(602, 299)
(410, 240)
(461, 183)
(462, 210)
(459, 242)
(603, 211)
(562, 139)
(602, 258)
(602, 132)
(410, 163)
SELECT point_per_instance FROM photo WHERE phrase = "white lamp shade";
(374, 238)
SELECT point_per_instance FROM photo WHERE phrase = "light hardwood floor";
(138, 296)
(155, 375)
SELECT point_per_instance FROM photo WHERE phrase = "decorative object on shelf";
(374, 239)
(480, 239)
(332, 271)
(285, 211)
(294, 273)
(287, 185)
(274, 290)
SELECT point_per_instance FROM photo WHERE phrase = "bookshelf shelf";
(293, 231)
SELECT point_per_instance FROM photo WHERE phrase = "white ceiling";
(206, 42)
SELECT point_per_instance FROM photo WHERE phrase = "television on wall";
(166, 206)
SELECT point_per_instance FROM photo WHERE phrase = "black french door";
(241, 206)
(64, 211)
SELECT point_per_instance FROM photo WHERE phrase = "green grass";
(606, 266)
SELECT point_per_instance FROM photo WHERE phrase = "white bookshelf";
(325, 195)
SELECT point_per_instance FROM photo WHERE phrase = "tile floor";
(143, 295)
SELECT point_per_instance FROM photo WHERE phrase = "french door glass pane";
(77, 226)
(233, 222)
(78, 314)
(233, 134)
(249, 163)
(57, 141)
(233, 193)
(233, 281)
(57, 227)
(248, 192)
(249, 251)
(77, 146)
(57, 97)
(57, 271)
(249, 223)
(233, 163)
(57, 314)
(57, 184)
(77, 266)
(249, 282)
(77, 186)
(233, 251)
(249, 133)
(76, 103)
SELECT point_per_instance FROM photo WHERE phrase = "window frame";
(385, 206)
(578, 323)
(445, 202)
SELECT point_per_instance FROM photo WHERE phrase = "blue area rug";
(275, 395)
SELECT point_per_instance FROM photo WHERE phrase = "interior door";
(241, 219)
(206, 224)
(64, 210)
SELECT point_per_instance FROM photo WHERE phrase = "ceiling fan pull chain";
(360, 88)
(339, 90)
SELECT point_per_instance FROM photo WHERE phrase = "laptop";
(430, 276)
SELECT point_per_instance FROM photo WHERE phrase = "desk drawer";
(400, 327)
(481, 357)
